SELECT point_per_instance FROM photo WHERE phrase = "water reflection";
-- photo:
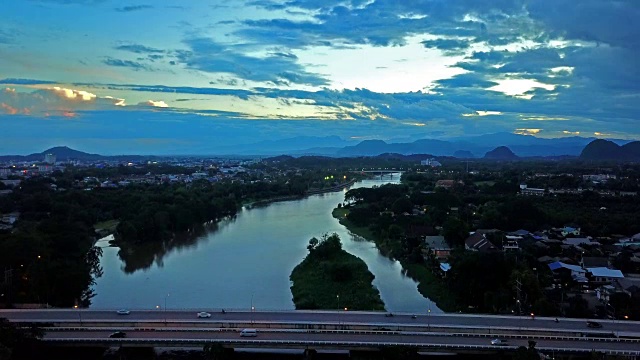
(246, 261)
(142, 256)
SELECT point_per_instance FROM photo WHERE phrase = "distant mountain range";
(501, 146)
(64, 153)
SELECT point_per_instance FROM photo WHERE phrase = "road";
(487, 322)
(418, 340)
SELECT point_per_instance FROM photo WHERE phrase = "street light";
(165, 309)
(79, 313)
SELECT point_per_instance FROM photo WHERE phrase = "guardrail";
(332, 344)
(360, 332)
(495, 331)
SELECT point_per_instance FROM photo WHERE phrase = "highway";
(486, 322)
(419, 340)
(331, 329)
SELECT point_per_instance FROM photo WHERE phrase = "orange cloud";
(69, 114)
(9, 109)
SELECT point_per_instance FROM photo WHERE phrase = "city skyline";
(174, 76)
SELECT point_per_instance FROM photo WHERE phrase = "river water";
(245, 261)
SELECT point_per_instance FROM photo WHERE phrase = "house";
(478, 242)
(511, 242)
(440, 248)
(603, 275)
(629, 286)
(594, 261)
(521, 233)
(580, 241)
(569, 230)
(576, 272)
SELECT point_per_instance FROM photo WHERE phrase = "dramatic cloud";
(55, 100)
(277, 68)
(544, 68)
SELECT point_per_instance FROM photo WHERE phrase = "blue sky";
(186, 76)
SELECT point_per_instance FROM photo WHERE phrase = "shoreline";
(426, 281)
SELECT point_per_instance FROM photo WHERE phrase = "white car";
(123, 312)
(498, 342)
(204, 315)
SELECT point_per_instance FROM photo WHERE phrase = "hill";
(64, 153)
(601, 149)
(501, 153)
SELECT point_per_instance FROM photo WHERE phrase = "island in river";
(331, 278)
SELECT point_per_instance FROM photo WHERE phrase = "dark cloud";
(606, 21)
(137, 66)
(139, 49)
(13, 81)
(134, 8)
(209, 56)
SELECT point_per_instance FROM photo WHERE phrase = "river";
(245, 261)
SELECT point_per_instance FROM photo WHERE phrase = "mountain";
(632, 150)
(377, 147)
(601, 149)
(501, 153)
(64, 153)
(463, 154)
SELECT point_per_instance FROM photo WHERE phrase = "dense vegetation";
(49, 257)
(331, 278)
(397, 217)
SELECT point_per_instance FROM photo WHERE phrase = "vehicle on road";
(204, 315)
(388, 314)
(594, 324)
(123, 312)
(248, 333)
(118, 335)
(498, 342)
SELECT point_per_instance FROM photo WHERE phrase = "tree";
(455, 231)
(402, 205)
(312, 243)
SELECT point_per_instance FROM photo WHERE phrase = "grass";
(334, 279)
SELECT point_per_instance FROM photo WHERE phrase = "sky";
(190, 76)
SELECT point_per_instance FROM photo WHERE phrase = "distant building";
(50, 158)
(598, 177)
(447, 184)
(430, 162)
(524, 190)
(45, 168)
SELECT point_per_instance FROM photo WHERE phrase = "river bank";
(331, 278)
(429, 284)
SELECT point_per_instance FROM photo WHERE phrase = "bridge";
(347, 330)
(382, 173)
